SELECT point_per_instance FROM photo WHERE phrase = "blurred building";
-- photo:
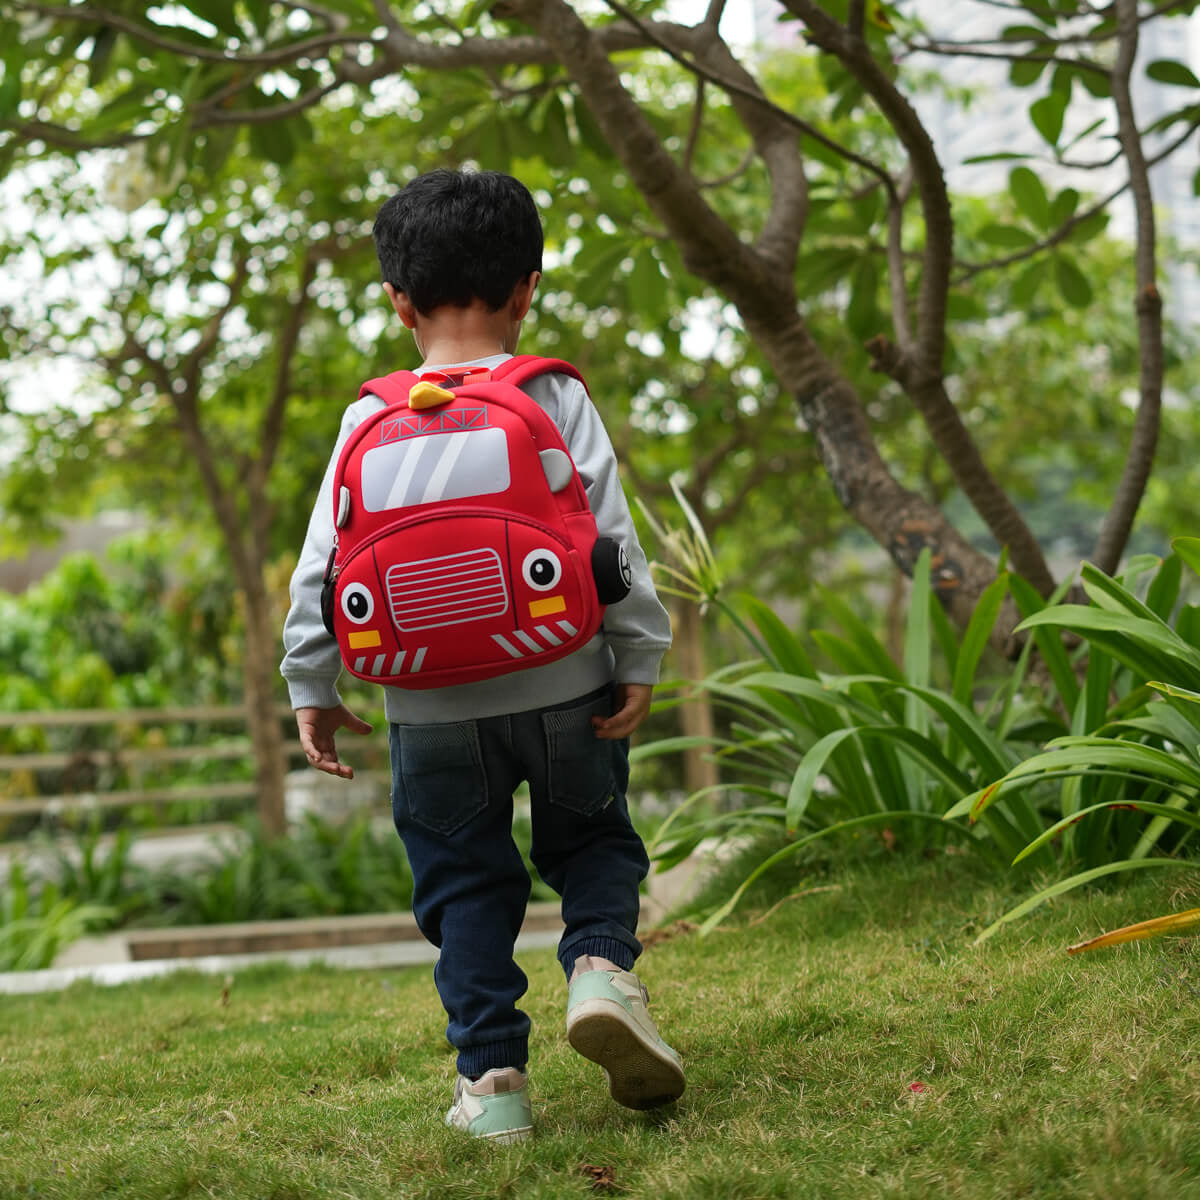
(16, 574)
(995, 119)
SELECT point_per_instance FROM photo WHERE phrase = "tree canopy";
(786, 188)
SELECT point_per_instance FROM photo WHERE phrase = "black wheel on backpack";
(611, 570)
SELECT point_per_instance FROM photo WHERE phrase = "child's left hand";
(633, 705)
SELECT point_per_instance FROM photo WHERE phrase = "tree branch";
(1118, 521)
(856, 18)
(955, 50)
(309, 48)
(897, 277)
(729, 176)
(66, 139)
(689, 149)
(273, 418)
(919, 370)
(749, 92)
(207, 116)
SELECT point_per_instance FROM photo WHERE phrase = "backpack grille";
(449, 590)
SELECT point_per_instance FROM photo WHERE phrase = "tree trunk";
(901, 521)
(260, 674)
(696, 715)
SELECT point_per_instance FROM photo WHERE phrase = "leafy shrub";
(321, 868)
(1127, 775)
(868, 745)
(36, 923)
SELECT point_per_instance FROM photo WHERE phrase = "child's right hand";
(317, 728)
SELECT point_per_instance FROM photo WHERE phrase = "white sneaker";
(607, 1021)
(496, 1106)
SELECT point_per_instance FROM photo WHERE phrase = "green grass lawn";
(802, 1029)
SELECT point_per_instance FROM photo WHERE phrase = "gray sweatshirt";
(628, 649)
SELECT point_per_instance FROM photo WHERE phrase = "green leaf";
(808, 772)
(103, 45)
(675, 745)
(218, 12)
(1183, 816)
(1106, 592)
(787, 649)
(1167, 70)
(1089, 227)
(917, 637)
(999, 156)
(1025, 72)
(1164, 588)
(1090, 757)
(819, 152)
(862, 313)
(848, 101)
(1072, 283)
(1030, 196)
(1042, 10)
(1025, 286)
(590, 133)
(273, 141)
(550, 122)
(868, 209)
(1098, 83)
(975, 637)
(1047, 115)
(1012, 237)
(1024, 33)
(1063, 207)
(597, 264)
(867, 648)
(1148, 648)
(1188, 549)
(1169, 689)
(10, 86)
(822, 270)
(1049, 643)
(1077, 880)
(647, 288)
(879, 818)
(1085, 132)
(474, 11)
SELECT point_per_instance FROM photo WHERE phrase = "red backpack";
(464, 547)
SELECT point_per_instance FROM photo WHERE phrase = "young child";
(461, 256)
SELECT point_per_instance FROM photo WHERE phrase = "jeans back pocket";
(439, 770)
(579, 764)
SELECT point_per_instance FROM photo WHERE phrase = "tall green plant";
(1128, 774)
(872, 744)
(36, 923)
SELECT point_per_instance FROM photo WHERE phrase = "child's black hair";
(451, 237)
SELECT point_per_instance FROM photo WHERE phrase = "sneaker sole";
(507, 1136)
(640, 1074)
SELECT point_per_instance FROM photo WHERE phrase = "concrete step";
(309, 933)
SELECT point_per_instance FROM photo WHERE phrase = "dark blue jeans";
(452, 789)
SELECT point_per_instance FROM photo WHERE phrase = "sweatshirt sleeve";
(312, 663)
(637, 628)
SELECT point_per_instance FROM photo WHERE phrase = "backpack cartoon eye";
(464, 548)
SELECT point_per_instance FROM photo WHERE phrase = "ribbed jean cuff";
(473, 1061)
(602, 947)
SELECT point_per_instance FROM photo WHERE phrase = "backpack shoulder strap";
(524, 367)
(391, 389)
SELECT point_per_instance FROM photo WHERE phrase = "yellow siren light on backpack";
(427, 395)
